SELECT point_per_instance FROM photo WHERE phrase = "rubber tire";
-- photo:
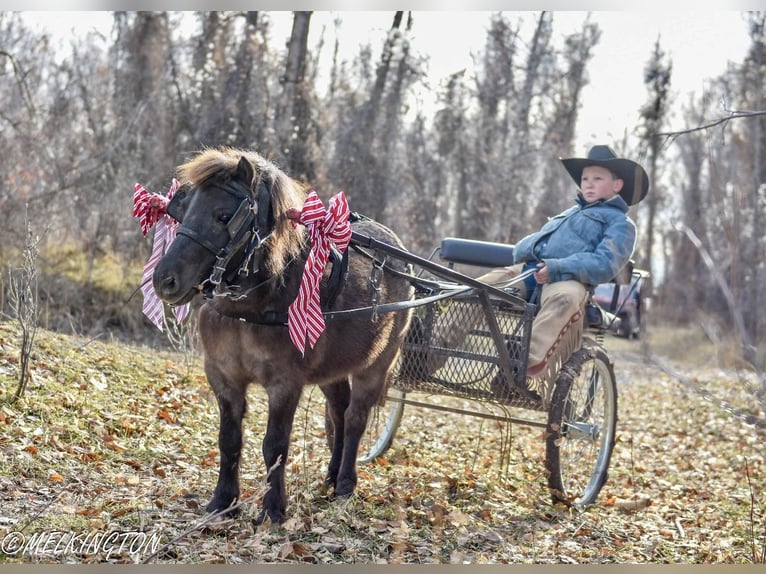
(381, 428)
(587, 370)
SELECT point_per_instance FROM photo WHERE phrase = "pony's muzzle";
(166, 285)
(169, 288)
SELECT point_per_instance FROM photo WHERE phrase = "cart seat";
(474, 252)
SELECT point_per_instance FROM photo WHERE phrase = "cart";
(470, 340)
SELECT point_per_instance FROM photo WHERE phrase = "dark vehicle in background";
(625, 302)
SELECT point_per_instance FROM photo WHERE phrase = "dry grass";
(117, 437)
(699, 344)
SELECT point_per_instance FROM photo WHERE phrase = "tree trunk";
(293, 113)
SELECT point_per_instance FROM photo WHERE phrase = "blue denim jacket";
(588, 242)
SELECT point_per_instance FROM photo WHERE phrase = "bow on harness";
(151, 211)
(326, 228)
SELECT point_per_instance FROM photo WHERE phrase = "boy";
(585, 245)
(574, 251)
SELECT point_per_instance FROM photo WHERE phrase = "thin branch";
(26, 95)
(757, 558)
(733, 115)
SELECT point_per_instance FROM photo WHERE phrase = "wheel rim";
(587, 432)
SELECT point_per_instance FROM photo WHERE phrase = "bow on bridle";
(326, 228)
(151, 211)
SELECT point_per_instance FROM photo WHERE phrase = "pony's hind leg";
(366, 391)
(338, 395)
(283, 402)
(232, 404)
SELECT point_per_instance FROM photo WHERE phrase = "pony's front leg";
(232, 404)
(283, 401)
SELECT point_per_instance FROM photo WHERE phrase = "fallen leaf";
(166, 416)
(457, 517)
(633, 505)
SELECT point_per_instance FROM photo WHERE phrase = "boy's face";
(599, 183)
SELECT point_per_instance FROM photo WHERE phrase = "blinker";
(175, 207)
(240, 217)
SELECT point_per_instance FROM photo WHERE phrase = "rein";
(279, 318)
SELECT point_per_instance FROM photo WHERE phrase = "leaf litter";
(118, 437)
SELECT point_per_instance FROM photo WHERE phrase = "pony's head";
(232, 205)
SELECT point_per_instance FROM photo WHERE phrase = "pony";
(239, 246)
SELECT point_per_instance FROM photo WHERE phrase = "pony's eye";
(223, 218)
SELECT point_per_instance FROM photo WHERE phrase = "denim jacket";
(588, 242)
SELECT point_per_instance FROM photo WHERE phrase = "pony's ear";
(245, 171)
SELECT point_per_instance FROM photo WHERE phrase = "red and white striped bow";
(151, 211)
(326, 227)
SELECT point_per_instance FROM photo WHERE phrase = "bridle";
(251, 219)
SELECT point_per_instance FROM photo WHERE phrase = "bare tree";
(494, 90)
(754, 161)
(24, 300)
(293, 113)
(358, 149)
(453, 149)
(559, 136)
(526, 113)
(423, 177)
(685, 289)
(657, 75)
(722, 184)
(521, 146)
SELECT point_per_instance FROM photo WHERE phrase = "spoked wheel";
(581, 426)
(381, 427)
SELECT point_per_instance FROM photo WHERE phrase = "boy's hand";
(541, 275)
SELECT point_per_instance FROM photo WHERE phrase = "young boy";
(585, 245)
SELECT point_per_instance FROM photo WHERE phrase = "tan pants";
(561, 304)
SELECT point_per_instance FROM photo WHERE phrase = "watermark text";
(52, 543)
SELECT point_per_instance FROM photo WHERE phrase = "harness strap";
(243, 233)
(265, 216)
(198, 239)
(338, 275)
(280, 318)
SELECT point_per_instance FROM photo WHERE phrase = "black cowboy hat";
(636, 181)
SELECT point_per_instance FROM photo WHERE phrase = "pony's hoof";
(215, 506)
(344, 489)
(276, 517)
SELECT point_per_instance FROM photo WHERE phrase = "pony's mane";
(285, 243)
